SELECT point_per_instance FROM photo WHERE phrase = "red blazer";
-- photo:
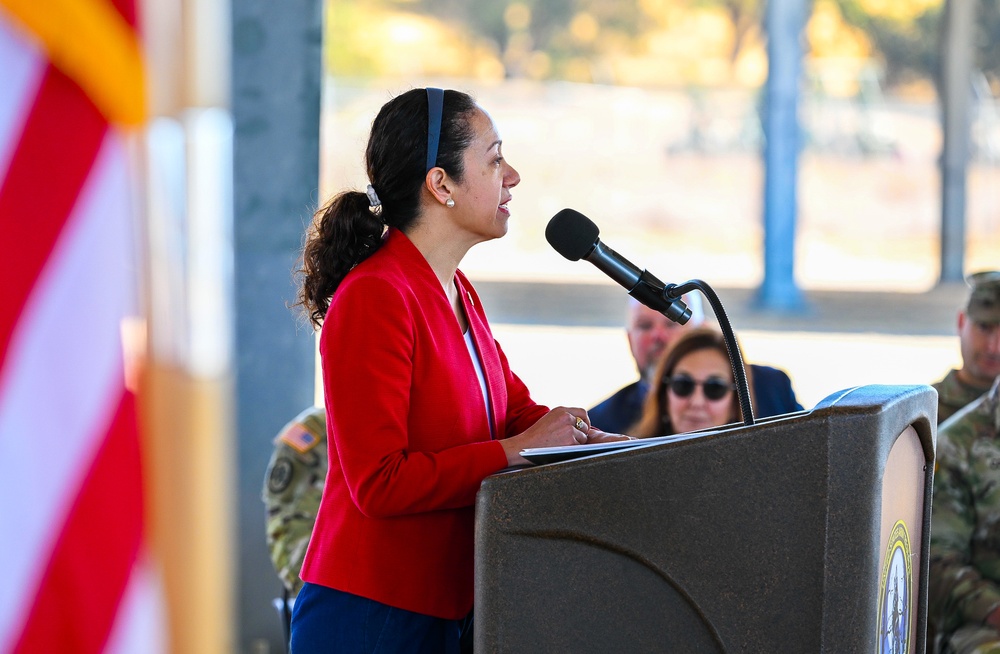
(409, 441)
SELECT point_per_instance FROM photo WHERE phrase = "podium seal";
(894, 594)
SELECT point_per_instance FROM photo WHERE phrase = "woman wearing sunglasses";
(695, 388)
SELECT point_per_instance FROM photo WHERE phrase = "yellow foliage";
(750, 68)
(517, 16)
(830, 36)
(538, 65)
(700, 33)
(366, 40)
(660, 10)
(578, 70)
(684, 44)
(584, 28)
(899, 10)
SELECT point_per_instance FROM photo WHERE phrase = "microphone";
(575, 236)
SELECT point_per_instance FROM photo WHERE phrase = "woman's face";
(696, 410)
(481, 199)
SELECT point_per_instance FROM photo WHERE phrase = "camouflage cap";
(984, 299)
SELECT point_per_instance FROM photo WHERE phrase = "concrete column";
(276, 79)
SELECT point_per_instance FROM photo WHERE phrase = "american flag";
(75, 575)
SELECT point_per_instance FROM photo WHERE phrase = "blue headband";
(435, 107)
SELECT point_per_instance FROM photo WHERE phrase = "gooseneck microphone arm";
(674, 291)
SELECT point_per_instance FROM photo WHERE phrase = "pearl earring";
(449, 203)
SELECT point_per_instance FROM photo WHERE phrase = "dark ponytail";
(348, 230)
(343, 234)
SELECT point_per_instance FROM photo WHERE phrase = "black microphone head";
(572, 234)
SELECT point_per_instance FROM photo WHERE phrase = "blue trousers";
(325, 620)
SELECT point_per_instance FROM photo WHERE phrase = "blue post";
(784, 21)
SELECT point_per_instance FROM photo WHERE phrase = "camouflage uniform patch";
(281, 475)
(965, 529)
(293, 487)
(973, 640)
(953, 395)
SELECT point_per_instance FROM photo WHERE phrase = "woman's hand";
(560, 427)
(596, 435)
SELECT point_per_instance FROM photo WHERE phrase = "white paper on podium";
(540, 455)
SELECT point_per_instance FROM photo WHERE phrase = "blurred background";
(646, 117)
(831, 168)
(649, 117)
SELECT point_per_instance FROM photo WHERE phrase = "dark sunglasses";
(683, 386)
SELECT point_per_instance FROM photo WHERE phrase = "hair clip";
(372, 196)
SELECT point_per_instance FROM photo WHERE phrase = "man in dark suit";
(649, 334)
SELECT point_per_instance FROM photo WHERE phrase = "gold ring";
(581, 425)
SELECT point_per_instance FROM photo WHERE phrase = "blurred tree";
(988, 42)
(906, 35)
(574, 39)
(556, 31)
(745, 15)
(347, 47)
(371, 38)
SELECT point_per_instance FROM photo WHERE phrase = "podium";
(807, 532)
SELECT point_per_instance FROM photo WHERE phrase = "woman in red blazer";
(421, 404)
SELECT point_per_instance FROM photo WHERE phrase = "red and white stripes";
(73, 575)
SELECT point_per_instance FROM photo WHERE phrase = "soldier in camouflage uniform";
(293, 486)
(964, 597)
(979, 335)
